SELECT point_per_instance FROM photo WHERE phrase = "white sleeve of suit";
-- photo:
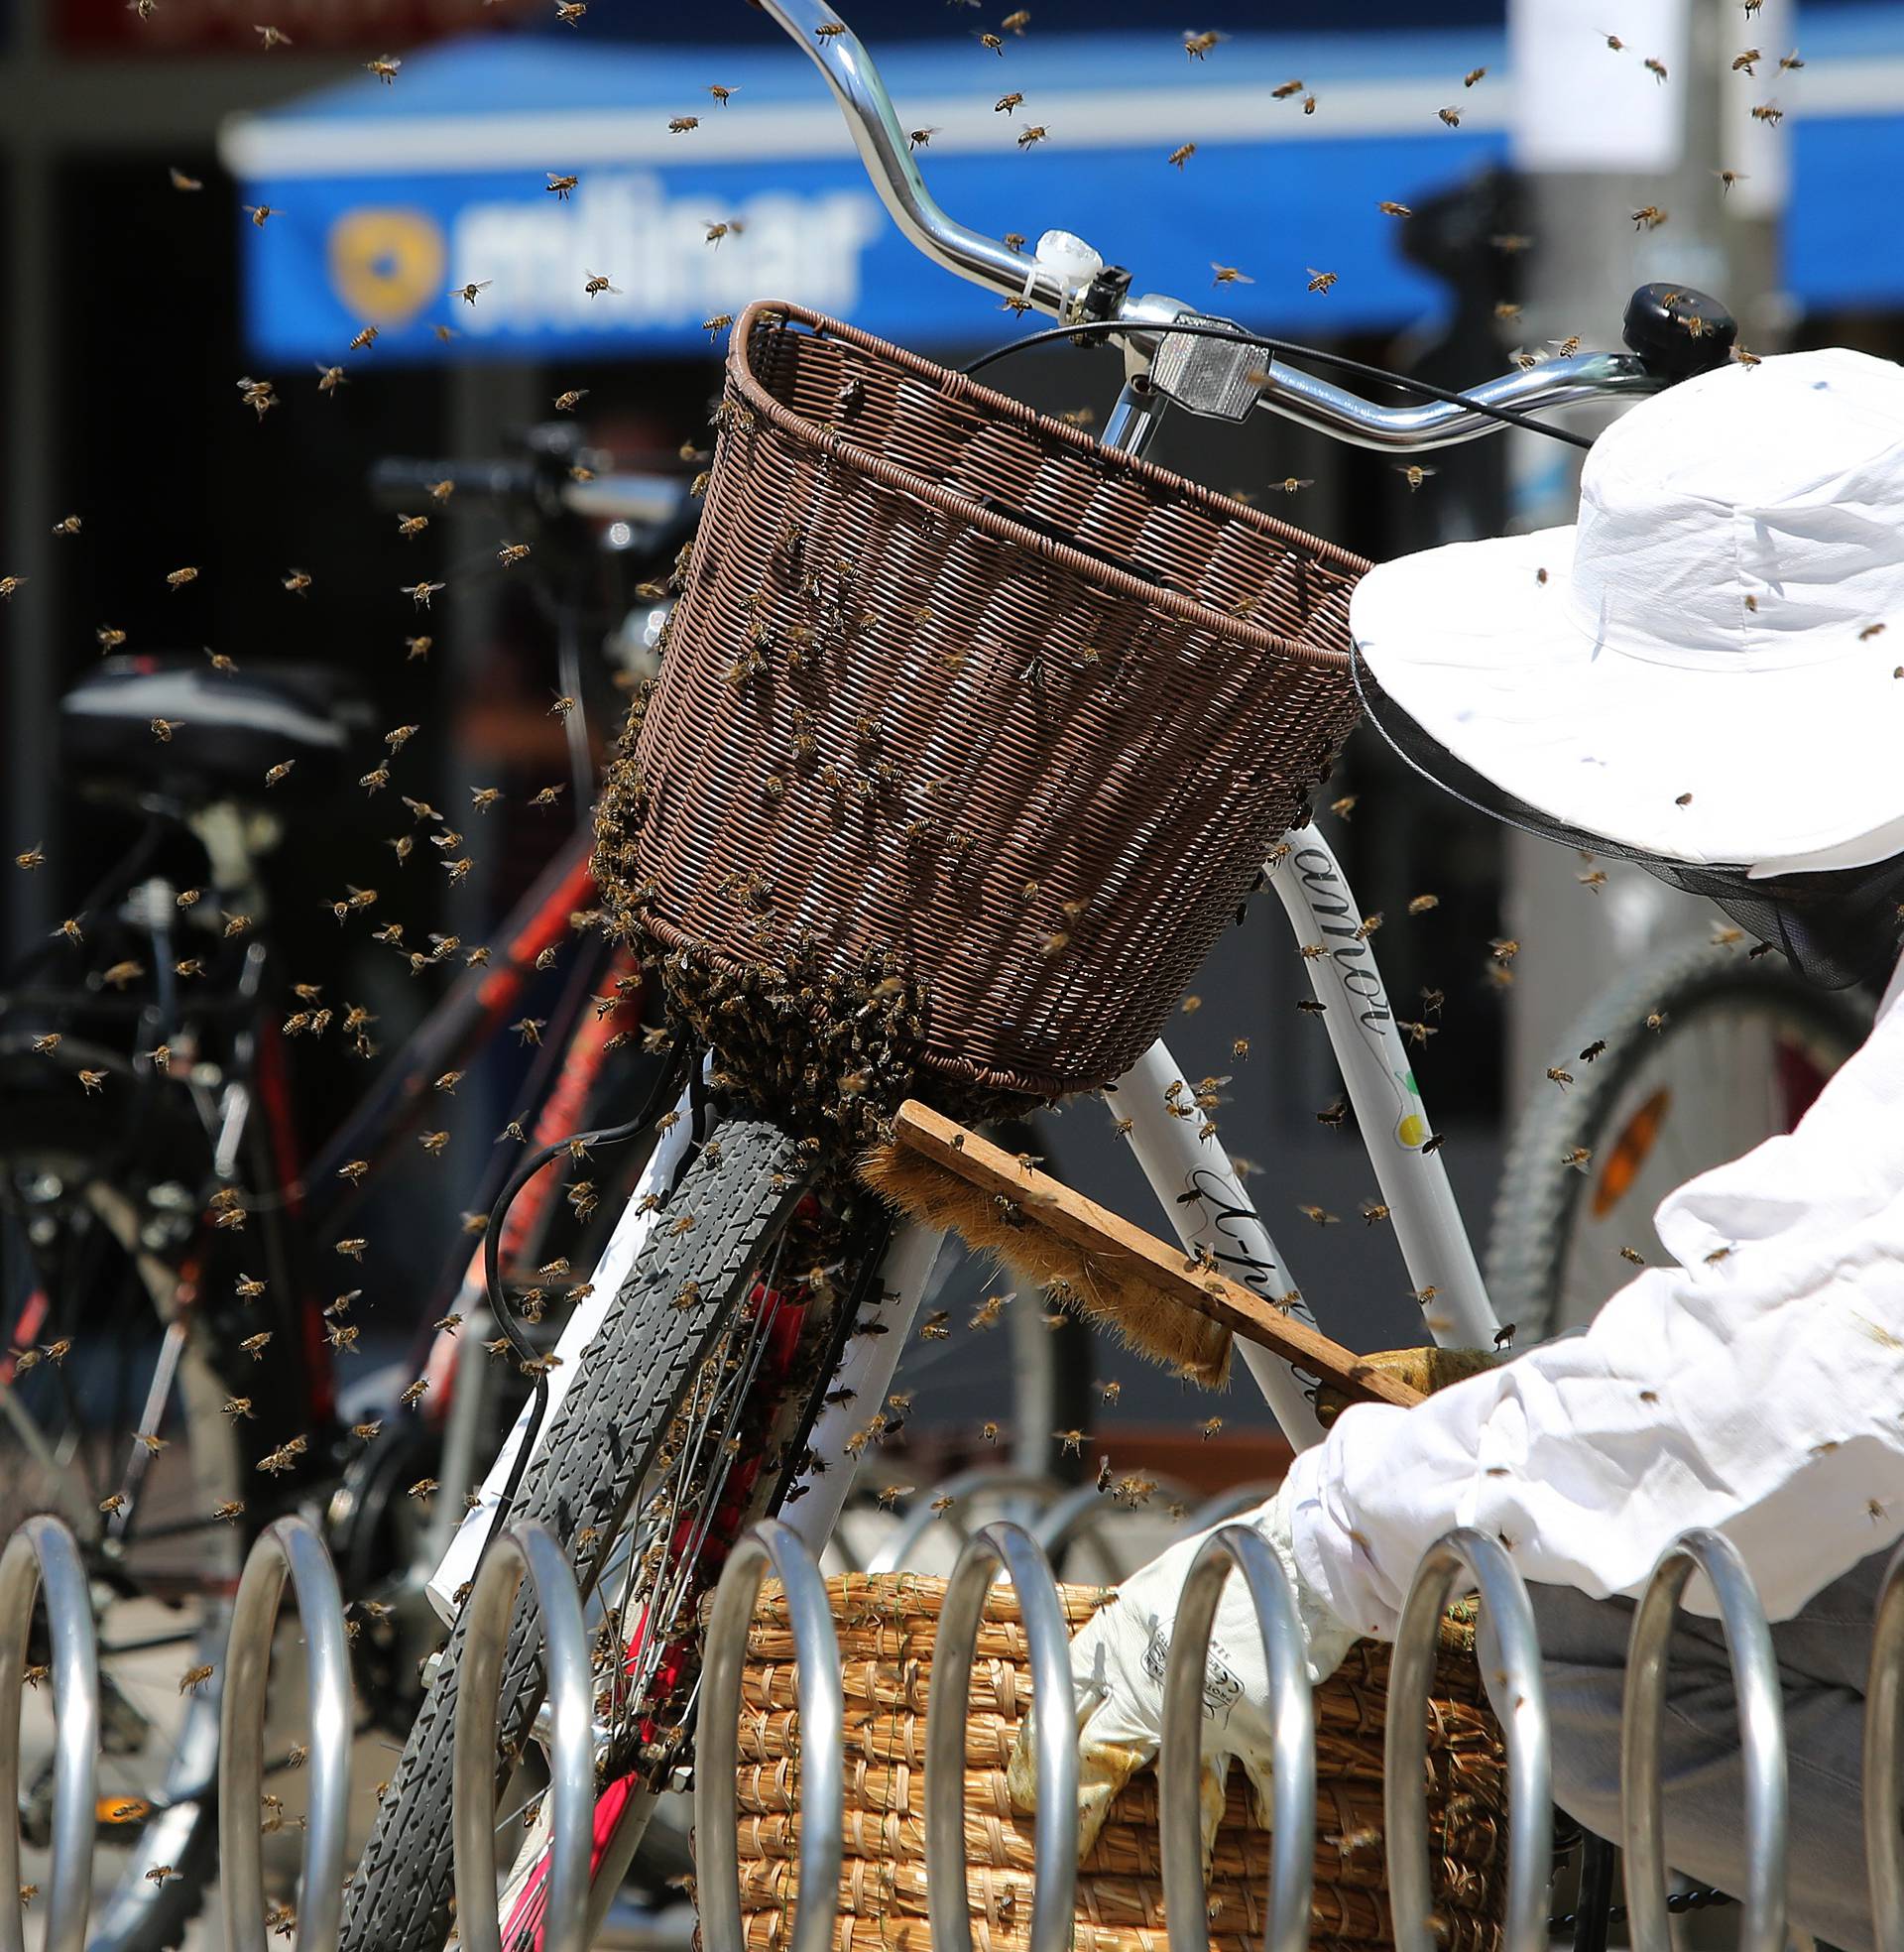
(1757, 1387)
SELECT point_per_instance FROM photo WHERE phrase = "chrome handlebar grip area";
(524, 1550)
(821, 1699)
(1761, 1727)
(41, 1557)
(1054, 1845)
(1297, 395)
(292, 1548)
(1521, 1701)
(836, 52)
(1238, 1550)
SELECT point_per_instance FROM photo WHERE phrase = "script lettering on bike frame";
(1219, 1196)
(1355, 964)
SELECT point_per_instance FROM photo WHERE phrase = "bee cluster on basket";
(829, 1041)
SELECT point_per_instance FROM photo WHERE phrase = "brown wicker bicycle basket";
(887, 1626)
(955, 691)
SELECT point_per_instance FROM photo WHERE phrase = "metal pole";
(1884, 1777)
(524, 1549)
(1292, 1828)
(27, 630)
(1054, 1843)
(290, 1548)
(42, 1557)
(1404, 1789)
(1761, 1727)
(821, 1696)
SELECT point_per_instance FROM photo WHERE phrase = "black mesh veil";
(1838, 927)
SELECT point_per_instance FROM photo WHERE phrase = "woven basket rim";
(959, 385)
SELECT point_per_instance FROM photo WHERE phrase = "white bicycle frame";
(1179, 1155)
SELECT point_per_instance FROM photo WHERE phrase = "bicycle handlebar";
(1069, 281)
(648, 501)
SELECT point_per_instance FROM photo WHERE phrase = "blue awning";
(386, 200)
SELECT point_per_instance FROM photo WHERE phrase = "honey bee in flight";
(1182, 155)
(1197, 46)
(559, 186)
(682, 124)
(384, 68)
(260, 212)
(722, 96)
(1321, 280)
(597, 280)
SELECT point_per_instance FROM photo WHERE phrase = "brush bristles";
(1148, 1321)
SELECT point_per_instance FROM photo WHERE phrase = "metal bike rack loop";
(1054, 1844)
(1236, 1549)
(964, 1486)
(1530, 1830)
(821, 1699)
(1883, 1775)
(1761, 1727)
(42, 1557)
(289, 1548)
(530, 1550)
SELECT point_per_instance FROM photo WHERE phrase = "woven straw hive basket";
(886, 1626)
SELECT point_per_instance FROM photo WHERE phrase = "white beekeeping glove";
(1118, 1664)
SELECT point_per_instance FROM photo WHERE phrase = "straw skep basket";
(887, 1625)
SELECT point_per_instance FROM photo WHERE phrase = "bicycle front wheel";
(1704, 1056)
(677, 1354)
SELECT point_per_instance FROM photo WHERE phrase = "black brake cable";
(666, 1087)
(1361, 367)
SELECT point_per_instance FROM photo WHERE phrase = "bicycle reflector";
(1629, 1153)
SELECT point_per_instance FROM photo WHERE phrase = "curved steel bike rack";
(1761, 1727)
(1054, 1845)
(958, 1488)
(524, 1550)
(41, 1557)
(1411, 1667)
(822, 1709)
(1236, 1549)
(288, 1548)
(1884, 1756)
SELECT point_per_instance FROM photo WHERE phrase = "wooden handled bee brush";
(1173, 1310)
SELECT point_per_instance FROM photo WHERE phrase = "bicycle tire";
(1540, 1202)
(600, 1443)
